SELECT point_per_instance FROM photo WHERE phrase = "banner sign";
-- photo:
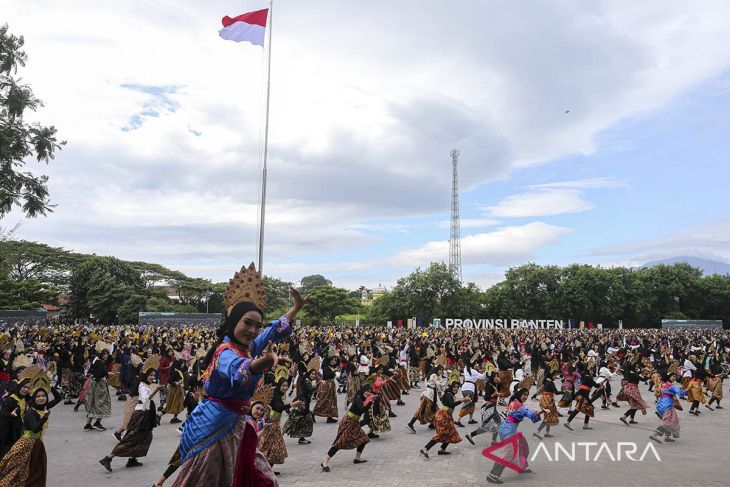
(695, 324)
(492, 324)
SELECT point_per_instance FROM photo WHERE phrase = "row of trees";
(114, 290)
(638, 297)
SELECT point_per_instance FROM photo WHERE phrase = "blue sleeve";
(534, 417)
(275, 332)
(234, 368)
(679, 391)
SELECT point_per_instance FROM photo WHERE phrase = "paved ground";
(698, 457)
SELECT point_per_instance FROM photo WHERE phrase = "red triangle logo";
(513, 440)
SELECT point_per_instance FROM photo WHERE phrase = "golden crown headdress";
(313, 364)
(246, 285)
(152, 362)
(383, 360)
(454, 377)
(441, 360)
(332, 352)
(281, 372)
(36, 377)
(101, 346)
(4, 340)
(21, 361)
(135, 360)
(263, 394)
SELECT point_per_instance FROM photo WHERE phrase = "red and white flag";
(249, 27)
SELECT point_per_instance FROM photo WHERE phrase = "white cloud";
(542, 203)
(554, 198)
(503, 246)
(361, 130)
(592, 183)
(710, 240)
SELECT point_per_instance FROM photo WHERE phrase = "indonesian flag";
(246, 27)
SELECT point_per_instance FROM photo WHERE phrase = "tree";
(310, 282)
(107, 288)
(20, 140)
(277, 296)
(111, 300)
(326, 302)
(27, 294)
(21, 260)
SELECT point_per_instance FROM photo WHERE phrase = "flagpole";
(262, 217)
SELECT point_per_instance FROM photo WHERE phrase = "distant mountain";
(708, 267)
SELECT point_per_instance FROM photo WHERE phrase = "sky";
(591, 132)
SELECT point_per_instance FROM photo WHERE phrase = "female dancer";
(217, 447)
(138, 437)
(429, 401)
(130, 405)
(326, 406)
(175, 401)
(97, 400)
(489, 415)
(666, 410)
(445, 429)
(25, 464)
(349, 433)
(583, 403)
(271, 439)
(633, 395)
(694, 389)
(12, 413)
(468, 390)
(301, 421)
(516, 412)
(547, 404)
(378, 413)
(714, 382)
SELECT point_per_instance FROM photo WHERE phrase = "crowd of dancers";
(245, 386)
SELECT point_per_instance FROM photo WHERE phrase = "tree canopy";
(20, 140)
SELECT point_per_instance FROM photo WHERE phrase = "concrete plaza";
(697, 458)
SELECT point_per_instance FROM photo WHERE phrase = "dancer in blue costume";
(218, 445)
(516, 412)
(666, 410)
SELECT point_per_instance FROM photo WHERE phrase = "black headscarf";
(229, 325)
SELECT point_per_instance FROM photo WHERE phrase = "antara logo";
(594, 451)
(507, 452)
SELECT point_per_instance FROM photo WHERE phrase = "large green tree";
(108, 289)
(19, 139)
(26, 294)
(326, 303)
(277, 296)
(21, 260)
(310, 282)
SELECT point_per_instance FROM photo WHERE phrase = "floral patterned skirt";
(349, 434)
(326, 406)
(426, 411)
(271, 443)
(445, 428)
(547, 401)
(300, 423)
(15, 467)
